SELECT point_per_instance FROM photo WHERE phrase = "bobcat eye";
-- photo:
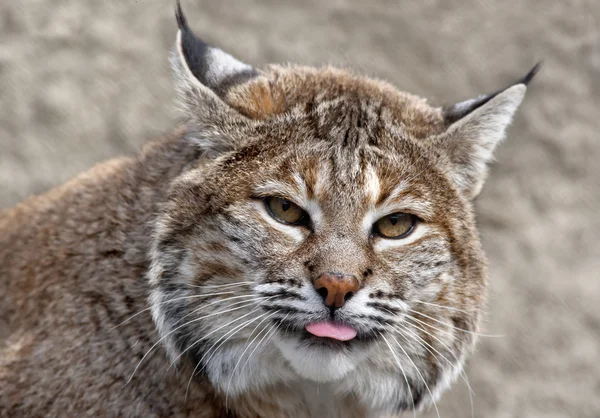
(397, 225)
(285, 211)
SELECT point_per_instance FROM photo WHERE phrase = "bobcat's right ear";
(209, 66)
(204, 74)
(473, 130)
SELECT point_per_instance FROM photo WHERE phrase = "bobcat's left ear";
(204, 75)
(474, 128)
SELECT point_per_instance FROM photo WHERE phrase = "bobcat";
(303, 246)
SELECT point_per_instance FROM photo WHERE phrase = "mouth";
(334, 335)
(329, 333)
(332, 330)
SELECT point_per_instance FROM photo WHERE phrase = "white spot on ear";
(219, 65)
(222, 65)
(463, 106)
(470, 141)
(487, 124)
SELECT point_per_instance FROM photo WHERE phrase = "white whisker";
(419, 373)
(219, 328)
(223, 339)
(450, 308)
(271, 333)
(220, 285)
(403, 374)
(175, 329)
(171, 301)
(253, 297)
(425, 345)
(247, 347)
(435, 338)
(445, 346)
(453, 327)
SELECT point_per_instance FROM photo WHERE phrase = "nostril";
(335, 288)
(323, 292)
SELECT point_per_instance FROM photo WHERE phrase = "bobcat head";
(327, 232)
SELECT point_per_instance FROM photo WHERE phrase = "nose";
(336, 289)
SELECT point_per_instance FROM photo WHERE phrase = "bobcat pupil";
(394, 219)
(285, 205)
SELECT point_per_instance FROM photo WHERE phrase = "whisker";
(220, 285)
(247, 347)
(384, 307)
(449, 350)
(254, 298)
(425, 345)
(450, 308)
(403, 374)
(269, 333)
(224, 338)
(217, 329)
(171, 301)
(453, 327)
(419, 373)
(435, 338)
(430, 326)
(230, 334)
(388, 311)
(273, 329)
(269, 338)
(175, 329)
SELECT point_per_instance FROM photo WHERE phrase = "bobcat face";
(327, 234)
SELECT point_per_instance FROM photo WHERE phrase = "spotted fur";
(182, 233)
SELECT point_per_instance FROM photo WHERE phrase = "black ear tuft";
(212, 67)
(181, 20)
(194, 49)
(529, 76)
(459, 110)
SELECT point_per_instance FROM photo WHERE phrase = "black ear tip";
(181, 21)
(529, 76)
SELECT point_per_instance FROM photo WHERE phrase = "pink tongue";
(331, 330)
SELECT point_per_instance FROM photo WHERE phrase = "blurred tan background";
(83, 80)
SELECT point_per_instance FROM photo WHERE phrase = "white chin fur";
(317, 364)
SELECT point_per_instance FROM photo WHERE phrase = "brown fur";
(73, 265)
(163, 230)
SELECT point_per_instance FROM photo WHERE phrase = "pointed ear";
(210, 66)
(474, 128)
(204, 74)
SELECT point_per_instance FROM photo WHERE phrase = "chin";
(320, 359)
